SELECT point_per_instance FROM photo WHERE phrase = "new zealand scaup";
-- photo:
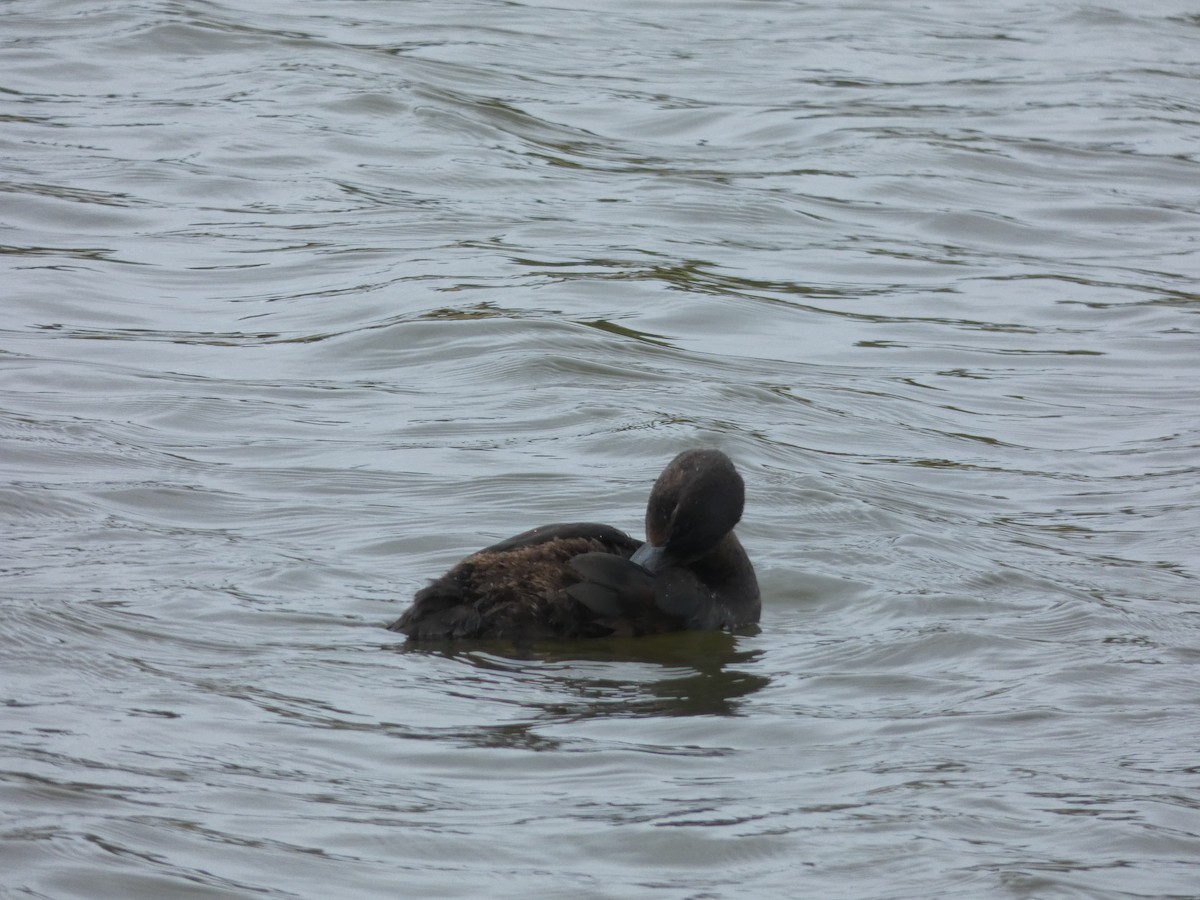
(580, 579)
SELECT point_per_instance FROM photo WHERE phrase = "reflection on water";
(685, 674)
(345, 291)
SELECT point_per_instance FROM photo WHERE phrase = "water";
(303, 302)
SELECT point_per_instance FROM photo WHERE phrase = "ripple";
(341, 294)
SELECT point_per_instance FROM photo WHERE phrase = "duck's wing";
(612, 586)
(617, 590)
(615, 539)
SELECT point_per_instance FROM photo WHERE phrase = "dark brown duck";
(580, 579)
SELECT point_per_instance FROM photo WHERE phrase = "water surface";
(305, 301)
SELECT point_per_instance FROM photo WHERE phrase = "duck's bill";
(649, 557)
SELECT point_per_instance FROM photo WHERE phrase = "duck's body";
(582, 580)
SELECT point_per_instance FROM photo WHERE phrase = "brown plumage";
(582, 580)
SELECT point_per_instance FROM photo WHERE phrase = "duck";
(586, 580)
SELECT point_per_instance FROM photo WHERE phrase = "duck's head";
(696, 501)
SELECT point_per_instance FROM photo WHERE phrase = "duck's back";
(515, 589)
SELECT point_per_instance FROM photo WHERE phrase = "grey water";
(302, 302)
